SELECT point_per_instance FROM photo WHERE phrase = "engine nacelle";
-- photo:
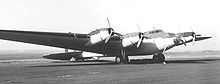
(162, 43)
(130, 39)
(183, 38)
(99, 35)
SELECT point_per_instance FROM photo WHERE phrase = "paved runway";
(177, 71)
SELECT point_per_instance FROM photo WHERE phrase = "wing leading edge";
(62, 40)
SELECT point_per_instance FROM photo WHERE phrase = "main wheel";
(121, 60)
(118, 59)
(159, 58)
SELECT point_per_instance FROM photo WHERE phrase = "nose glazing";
(186, 34)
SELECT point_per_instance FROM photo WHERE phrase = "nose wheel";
(159, 58)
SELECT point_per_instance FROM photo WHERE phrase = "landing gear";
(123, 58)
(96, 58)
(159, 58)
(76, 59)
(118, 60)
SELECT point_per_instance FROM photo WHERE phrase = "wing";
(62, 40)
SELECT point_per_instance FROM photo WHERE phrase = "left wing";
(62, 40)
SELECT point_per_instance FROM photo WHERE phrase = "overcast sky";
(83, 16)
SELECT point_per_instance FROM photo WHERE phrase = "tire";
(159, 58)
(118, 60)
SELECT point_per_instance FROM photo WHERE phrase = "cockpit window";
(98, 31)
(155, 31)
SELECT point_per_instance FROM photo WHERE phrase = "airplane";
(106, 42)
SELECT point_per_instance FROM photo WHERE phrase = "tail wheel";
(159, 58)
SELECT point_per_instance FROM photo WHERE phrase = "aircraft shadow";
(81, 61)
(136, 61)
(85, 63)
(193, 61)
(204, 61)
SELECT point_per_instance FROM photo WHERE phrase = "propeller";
(164, 49)
(141, 35)
(154, 28)
(194, 38)
(184, 42)
(194, 35)
(179, 36)
(111, 32)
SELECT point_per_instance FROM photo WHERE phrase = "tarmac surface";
(198, 70)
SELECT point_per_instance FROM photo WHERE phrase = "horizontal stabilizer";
(64, 56)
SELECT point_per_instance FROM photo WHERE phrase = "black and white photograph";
(109, 42)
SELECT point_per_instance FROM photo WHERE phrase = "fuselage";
(155, 41)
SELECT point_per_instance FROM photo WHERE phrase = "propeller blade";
(191, 28)
(179, 28)
(154, 28)
(110, 30)
(108, 23)
(184, 42)
(141, 36)
(139, 41)
(107, 39)
(194, 36)
(164, 49)
(138, 28)
(194, 39)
